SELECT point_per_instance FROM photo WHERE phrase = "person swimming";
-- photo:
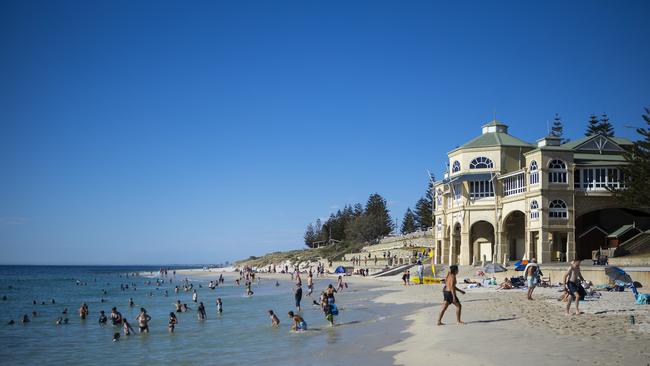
(275, 321)
(25, 319)
(59, 320)
(11, 322)
(299, 323)
(131, 303)
(172, 322)
(102, 317)
(116, 336)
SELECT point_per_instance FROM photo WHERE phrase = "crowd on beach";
(247, 277)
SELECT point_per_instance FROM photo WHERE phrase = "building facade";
(506, 199)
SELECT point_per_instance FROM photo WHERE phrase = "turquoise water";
(241, 335)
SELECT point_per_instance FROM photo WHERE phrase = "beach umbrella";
(340, 269)
(521, 264)
(493, 268)
(617, 274)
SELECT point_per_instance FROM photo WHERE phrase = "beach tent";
(493, 268)
(340, 269)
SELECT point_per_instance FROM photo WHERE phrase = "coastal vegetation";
(637, 172)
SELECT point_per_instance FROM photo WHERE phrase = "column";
(570, 246)
(464, 249)
(543, 248)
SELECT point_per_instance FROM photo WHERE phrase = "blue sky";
(175, 132)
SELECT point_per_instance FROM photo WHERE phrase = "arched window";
(455, 167)
(439, 223)
(556, 171)
(439, 197)
(481, 163)
(534, 210)
(557, 209)
(533, 175)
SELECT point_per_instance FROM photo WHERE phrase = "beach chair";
(545, 281)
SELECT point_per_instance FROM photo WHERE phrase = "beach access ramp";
(393, 271)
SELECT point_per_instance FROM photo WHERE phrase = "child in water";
(219, 306)
(275, 321)
(298, 322)
(172, 322)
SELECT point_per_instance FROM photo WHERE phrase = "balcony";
(514, 184)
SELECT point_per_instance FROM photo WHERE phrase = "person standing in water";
(143, 321)
(219, 306)
(310, 284)
(116, 317)
(83, 311)
(172, 322)
(449, 295)
(200, 311)
(297, 293)
(102, 318)
(127, 327)
(195, 296)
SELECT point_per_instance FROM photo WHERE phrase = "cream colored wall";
(465, 156)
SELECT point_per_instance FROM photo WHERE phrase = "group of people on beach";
(573, 290)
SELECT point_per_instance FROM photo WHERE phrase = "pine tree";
(557, 129)
(605, 126)
(637, 172)
(310, 236)
(592, 126)
(602, 126)
(378, 216)
(409, 224)
(424, 213)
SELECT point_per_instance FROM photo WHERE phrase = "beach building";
(504, 199)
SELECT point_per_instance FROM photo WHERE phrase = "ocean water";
(241, 335)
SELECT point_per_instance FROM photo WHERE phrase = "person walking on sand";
(449, 295)
(572, 280)
(420, 272)
(532, 273)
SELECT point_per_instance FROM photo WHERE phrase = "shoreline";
(502, 324)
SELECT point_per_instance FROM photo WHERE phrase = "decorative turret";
(549, 140)
(495, 126)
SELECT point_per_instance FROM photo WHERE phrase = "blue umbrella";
(521, 264)
(617, 274)
(340, 269)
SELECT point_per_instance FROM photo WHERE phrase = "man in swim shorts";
(449, 295)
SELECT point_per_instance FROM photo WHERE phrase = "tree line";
(369, 223)
(356, 223)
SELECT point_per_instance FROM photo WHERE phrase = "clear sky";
(142, 132)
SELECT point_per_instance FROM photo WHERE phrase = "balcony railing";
(514, 184)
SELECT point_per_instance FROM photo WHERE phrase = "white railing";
(514, 184)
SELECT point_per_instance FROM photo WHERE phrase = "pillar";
(543, 247)
(570, 246)
(465, 258)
